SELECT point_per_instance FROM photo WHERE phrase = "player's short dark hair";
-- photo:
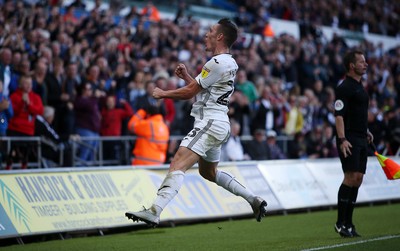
(350, 58)
(229, 29)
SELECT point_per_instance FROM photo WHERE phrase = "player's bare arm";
(182, 73)
(186, 92)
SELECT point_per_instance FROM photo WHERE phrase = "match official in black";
(353, 137)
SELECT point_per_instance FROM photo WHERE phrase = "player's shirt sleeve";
(210, 73)
(342, 99)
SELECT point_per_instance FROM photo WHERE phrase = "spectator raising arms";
(87, 120)
(112, 118)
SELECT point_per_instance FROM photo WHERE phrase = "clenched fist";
(157, 93)
(181, 71)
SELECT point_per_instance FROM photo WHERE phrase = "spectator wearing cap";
(275, 150)
(257, 148)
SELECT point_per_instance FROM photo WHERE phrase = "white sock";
(229, 182)
(168, 189)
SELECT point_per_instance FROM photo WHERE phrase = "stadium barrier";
(55, 200)
(123, 154)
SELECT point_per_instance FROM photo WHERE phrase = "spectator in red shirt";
(69, 16)
(169, 106)
(112, 118)
(26, 105)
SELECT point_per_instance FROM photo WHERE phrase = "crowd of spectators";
(381, 17)
(285, 85)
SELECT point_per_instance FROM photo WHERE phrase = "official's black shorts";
(357, 161)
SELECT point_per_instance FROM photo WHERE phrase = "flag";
(391, 168)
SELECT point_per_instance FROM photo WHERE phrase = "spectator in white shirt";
(233, 149)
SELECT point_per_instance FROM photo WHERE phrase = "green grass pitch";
(379, 226)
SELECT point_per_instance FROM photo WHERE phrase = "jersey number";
(224, 98)
(192, 133)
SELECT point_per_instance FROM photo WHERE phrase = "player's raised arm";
(187, 92)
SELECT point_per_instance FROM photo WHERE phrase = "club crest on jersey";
(339, 105)
(204, 72)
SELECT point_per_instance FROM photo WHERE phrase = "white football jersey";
(216, 79)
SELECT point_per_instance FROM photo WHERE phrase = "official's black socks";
(350, 206)
(344, 198)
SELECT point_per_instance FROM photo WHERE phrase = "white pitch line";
(354, 243)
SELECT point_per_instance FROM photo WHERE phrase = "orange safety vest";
(268, 31)
(152, 138)
(152, 13)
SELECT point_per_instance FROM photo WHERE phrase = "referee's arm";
(344, 144)
(339, 127)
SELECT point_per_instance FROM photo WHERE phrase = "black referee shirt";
(352, 104)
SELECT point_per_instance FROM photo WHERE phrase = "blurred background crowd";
(283, 103)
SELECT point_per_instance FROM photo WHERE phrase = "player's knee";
(208, 174)
(354, 179)
(358, 181)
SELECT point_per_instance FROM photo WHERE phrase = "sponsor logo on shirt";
(204, 72)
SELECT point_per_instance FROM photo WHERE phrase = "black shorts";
(357, 161)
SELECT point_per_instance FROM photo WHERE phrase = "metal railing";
(123, 155)
(6, 146)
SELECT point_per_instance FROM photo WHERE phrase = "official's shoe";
(343, 230)
(259, 208)
(352, 230)
(147, 215)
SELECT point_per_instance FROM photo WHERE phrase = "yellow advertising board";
(43, 202)
(59, 201)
